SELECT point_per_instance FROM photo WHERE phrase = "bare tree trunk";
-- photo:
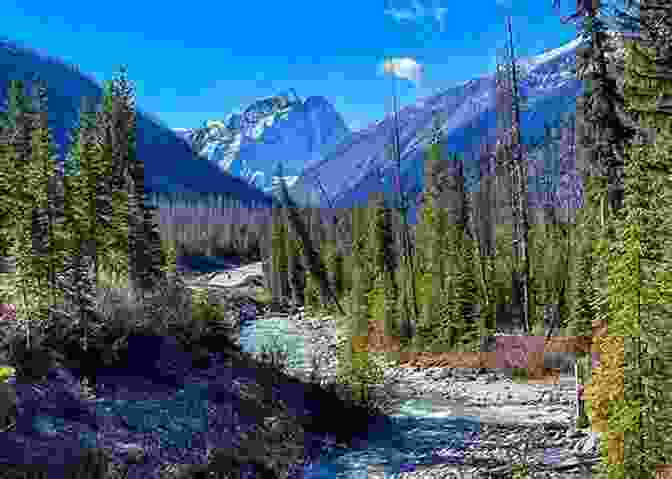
(519, 203)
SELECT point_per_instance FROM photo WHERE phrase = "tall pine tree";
(433, 225)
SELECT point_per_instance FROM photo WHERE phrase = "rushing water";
(420, 433)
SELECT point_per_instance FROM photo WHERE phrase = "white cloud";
(400, 14)
(406, 68)
(417, 12)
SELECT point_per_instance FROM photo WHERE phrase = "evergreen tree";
(314, 262)
(601, 108)
(23, 137)
(434, 229)
(36, 237)
(116, 137)
(583, 290)
(642, 258)
(355, 364)
(48, 235)
(628, 393)
(311, 294)
(79, 273)
(279, 254)
(362, 272)
(459, 309)
(335, 266)
(112, 184)
(297, 272)
(12, 118)
(382, 254)
(466, 292)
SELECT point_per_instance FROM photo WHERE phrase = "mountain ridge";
(169, 161)
(248, 144)
(357, 166)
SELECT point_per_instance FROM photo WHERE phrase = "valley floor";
(509, 412)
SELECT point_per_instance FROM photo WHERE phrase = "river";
(422, 432)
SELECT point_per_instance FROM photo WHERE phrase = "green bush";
(169, 250)
(203, 309)
(359, 372)
(6, 372)
(519, 374)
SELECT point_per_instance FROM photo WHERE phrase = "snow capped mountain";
(170, 165)
(283, 128)
(360, 165)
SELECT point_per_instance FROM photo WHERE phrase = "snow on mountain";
(359, 165)
(250, 144)
(549, 56)
(170, 164)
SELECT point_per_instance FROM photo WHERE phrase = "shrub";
(519, 374)
(6, 372)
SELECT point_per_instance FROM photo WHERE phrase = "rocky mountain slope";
(284, 127)
(359, 165)
(170, 164)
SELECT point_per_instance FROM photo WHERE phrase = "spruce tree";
(36, 236)
(583, 289)
(109, 184)
(335, 266)
(643, 258)
(384, 264)
(8, 184)
(279, 254)
(362, 272)
(628, 392)
(117, 134)
(459, 308)
(48, 234)
(297, 272)
(434, 229)
(30, 290)
(355, 364)
(80, 277)
(466, 295)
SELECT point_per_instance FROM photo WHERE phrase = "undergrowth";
(195, 318)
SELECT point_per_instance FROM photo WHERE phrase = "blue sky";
(195, 61)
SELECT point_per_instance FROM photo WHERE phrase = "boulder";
(588, 445)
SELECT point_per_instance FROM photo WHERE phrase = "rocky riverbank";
(511, 414)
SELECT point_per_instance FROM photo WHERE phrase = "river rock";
(497, 443)
(587, 445)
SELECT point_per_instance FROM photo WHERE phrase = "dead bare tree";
(513, 157)
(312, 257)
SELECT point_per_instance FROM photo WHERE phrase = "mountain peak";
(248, 144)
